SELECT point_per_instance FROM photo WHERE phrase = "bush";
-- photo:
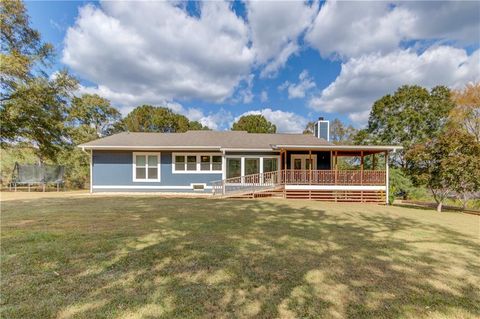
(400, 186)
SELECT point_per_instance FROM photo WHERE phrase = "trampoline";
(34, 175)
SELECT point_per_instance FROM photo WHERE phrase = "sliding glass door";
(252, 166)
(234, 167)
(248, 165)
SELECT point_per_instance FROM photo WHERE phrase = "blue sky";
(290, 61)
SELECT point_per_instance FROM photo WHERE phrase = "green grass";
(147, 257)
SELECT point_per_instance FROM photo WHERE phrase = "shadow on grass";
(205, 258)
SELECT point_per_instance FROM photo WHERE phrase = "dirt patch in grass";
(145, 257)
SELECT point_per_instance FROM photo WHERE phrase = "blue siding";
(116, 168)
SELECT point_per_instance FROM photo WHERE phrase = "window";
(252, 166)
(270, 164)
(180, 163)
(249, 165)
(199, 163)
(234, 168)
(146, 167)
(191, 163)
(205, 163)
(216, 163)
(297, 163)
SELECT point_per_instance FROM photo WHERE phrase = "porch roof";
(341, 148)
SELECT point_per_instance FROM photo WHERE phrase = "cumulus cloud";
(264, 96)
(216, 120)
(156, 50)
(286, 122)
(363, 80)
(221, 120)
(298, 90)
(275, 27)
(158, 53)
(350, 29)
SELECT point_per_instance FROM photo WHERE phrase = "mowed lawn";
(87, 256)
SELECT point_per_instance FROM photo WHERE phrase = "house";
(239, 164)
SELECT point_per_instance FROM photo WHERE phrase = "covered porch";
(341, 165)
(341, 173)
(327, 172)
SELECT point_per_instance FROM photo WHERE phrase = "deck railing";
(333, 177)
(247, 183)
(270, 180)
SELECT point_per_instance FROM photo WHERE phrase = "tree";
(340, 133)
(447, 164)
(35, 113)
(254, 123)
(410, 116)
(33, 107)
(94, 111)
(467, 109)
(309, 128)
(197, 126)
(147, 118)
(21, 47)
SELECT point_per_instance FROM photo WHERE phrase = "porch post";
(386, 178)
(284, 173)
(336, 168)
(373, 161)
(310, 168)
(361, 168)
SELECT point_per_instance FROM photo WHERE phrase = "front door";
(302, 162)
(300, 166)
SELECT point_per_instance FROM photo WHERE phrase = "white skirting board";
(336, 187)
(144, 187)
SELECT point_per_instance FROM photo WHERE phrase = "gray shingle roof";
(203, 140)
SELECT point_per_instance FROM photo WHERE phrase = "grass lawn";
(86, 256)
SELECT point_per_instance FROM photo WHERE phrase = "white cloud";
(264, 96)
(145, 51)
(157, 53)
(363, 80)
(271, 69)
(216, 120)
(298, 90)
(245, 93)
(221, 120)
(286, 122)
(350, 29)
(275, 27)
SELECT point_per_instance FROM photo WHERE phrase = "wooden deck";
(327, 185)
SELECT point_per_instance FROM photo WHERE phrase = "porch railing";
(247, 183)
(333, 177)
(270, 180)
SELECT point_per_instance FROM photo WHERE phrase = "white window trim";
(134, 167)
(198, 158)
